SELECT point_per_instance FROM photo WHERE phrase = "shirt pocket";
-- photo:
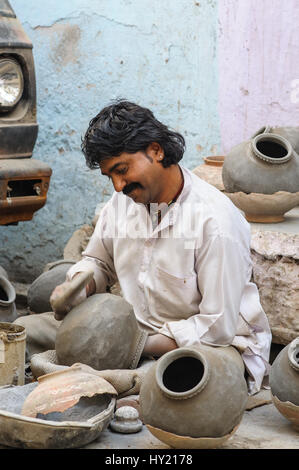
(187, 282)
(174, 297)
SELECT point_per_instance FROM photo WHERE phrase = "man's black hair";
(128, 127)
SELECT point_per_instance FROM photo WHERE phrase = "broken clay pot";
(264, 208)
(284, 382)
(265, 164)
(193, 394)
(41, 289)
(76, 427)
(102, 332)
(61, 390)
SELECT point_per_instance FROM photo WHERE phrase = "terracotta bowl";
(264, 208)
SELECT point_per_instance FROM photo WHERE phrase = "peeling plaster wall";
(159, 54)
(215, 70)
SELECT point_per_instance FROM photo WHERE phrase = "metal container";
(12, 354)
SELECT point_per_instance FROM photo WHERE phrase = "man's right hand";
(63, 297)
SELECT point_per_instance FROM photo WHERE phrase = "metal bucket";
(12, 354)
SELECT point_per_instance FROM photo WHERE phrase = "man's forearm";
(157, 345)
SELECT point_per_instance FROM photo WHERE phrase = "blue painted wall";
(160, 54)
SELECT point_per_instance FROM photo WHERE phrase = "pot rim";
(172, 356)
(293, 354)
(9, 290)
(277, 139)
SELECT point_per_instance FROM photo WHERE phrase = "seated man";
(179, 247)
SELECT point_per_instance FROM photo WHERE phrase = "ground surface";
(261, 428)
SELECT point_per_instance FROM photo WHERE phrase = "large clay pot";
(101, 332)
(284, 382)
(195, 397)
(266, 163)
(41, 289)
(8, 311)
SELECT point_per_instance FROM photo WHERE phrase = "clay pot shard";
(284, 382)
(61, 390)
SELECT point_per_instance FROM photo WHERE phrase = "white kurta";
(190, 277)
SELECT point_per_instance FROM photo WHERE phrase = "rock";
(275, 257)
(77, 243)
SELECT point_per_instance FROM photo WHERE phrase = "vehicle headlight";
(11, 83)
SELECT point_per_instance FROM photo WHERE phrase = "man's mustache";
(127, 189)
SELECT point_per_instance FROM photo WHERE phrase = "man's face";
(139, 175)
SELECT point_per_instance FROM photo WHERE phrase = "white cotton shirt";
(190, 277)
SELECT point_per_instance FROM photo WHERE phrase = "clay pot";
(61, 390)
(8, 312)
(211, 171)
(264, 208)
(102, 332)
(195, 396)
(284, 382)
(41, 289)
(265, 164)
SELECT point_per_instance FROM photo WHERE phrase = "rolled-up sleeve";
(98, 255)
(222, 271)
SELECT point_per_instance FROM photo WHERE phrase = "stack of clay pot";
(261, 175)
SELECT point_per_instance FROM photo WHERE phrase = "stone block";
(275, 257)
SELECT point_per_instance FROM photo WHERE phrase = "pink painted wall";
(258, 54)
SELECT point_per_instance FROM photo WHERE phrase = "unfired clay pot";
(284, 382)
(8, 312)
(101, 332)
(195, 397)
(211, 171)
(267, 163)
(41, 289)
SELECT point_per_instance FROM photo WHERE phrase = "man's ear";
(155, 151)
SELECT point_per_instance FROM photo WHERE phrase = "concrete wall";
(213, 70)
